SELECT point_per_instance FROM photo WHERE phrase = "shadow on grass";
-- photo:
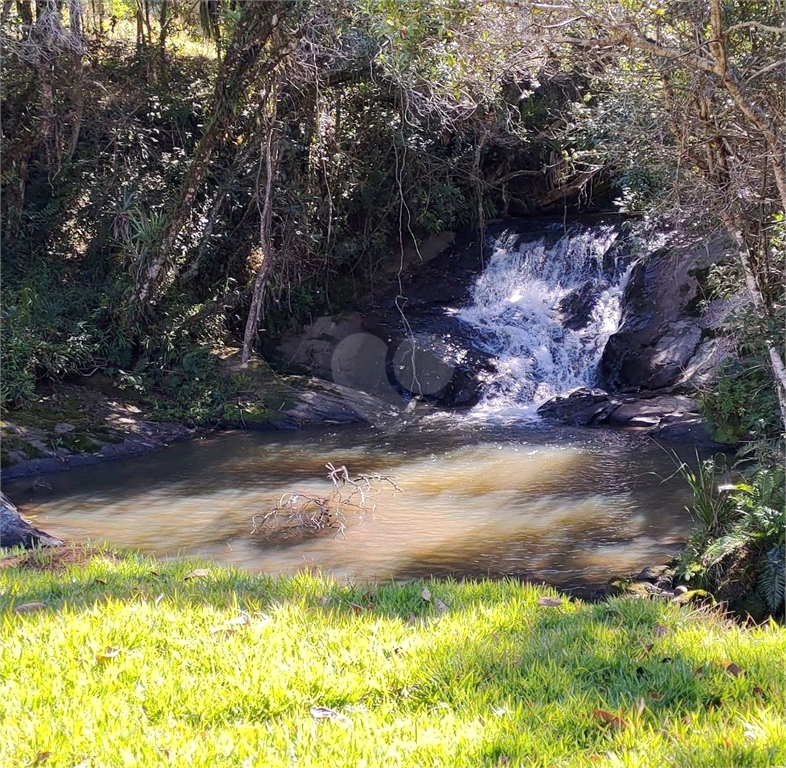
(584, 675)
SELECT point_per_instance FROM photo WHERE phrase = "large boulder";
(15, 531)
(661, 339)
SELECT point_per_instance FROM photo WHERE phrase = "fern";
(771, 581)
(723, 546)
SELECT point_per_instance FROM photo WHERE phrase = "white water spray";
(545, 313)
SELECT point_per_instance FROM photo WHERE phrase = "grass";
(132, 662)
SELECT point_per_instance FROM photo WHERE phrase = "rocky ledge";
(15, 531)
(663, 416)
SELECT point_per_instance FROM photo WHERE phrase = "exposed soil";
(55, 559)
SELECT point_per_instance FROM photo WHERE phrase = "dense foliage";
(737, 550)
(137, 169)
(178, 175)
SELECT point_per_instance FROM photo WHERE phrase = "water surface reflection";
(562, 505)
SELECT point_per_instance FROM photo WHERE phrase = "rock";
(63, 429)
(651, 411)
(659, 342)
(680, 590)
(701, 369)
(666, 417)
(324, 402)
(405, 343)
(689, 429)
(579, 408)
(312, 349)
(576, 307)
(16, 531)
(652, 573)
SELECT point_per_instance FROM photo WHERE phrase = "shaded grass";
(141, 663)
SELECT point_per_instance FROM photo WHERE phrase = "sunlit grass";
(138, 663)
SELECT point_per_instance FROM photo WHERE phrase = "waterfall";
(544, 309)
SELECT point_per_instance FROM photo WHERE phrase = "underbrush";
(51, 333)
(737, 551)
(120, 660)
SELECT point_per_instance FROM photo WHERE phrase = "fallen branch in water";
(299, 513)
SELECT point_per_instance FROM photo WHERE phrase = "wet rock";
(650, 412)
(582, 407)
(15, 531)
(576, 307)
(652, 573)
(659, 342)
(323, 402)
(666, 417)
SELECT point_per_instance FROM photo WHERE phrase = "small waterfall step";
(544, 307)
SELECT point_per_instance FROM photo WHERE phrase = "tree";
(242, 64)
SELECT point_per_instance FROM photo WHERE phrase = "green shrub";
(43, 336)
(743, 403)
(742, 534)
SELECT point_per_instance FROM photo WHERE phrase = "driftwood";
(301, 514)
(15, 531)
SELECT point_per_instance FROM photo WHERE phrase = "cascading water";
(544, 309)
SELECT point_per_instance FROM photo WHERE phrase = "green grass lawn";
(132, 662)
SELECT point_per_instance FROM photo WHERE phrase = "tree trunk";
(15, 531)
(252, 33)
(266, 242)
(77, 89)
(163, 25)
(761, 309)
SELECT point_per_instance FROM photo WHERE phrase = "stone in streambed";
(580, 408)
(15, 531)
(652, 573)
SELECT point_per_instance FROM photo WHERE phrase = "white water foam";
(545, 313)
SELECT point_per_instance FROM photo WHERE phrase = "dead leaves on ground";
(606, 719)
(107, 656)
(326, 713)
(436, 602)
(199, 573)
(29, 608)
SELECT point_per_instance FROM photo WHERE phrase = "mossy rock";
(696, 596)
(619, 587)
(247, 416)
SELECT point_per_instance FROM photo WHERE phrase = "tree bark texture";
(252, 33)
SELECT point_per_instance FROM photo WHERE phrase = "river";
(560, 505)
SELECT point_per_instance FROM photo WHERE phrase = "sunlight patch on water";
(565, 506)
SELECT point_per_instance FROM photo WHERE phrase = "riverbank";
(92, 419)
(111, 658)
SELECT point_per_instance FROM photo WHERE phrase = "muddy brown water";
(566, 506)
